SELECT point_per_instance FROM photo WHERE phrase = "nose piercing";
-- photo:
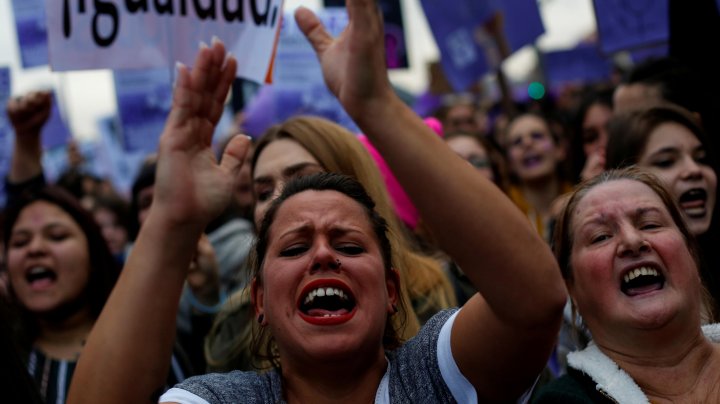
(338, 263)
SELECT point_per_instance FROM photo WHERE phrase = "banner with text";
(141, 34)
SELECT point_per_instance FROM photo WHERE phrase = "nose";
(632, 243)
(325, 258)
(36, 246)
(692, 170)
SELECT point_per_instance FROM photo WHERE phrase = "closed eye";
(599, 238)
(293, 251)
(350, 249)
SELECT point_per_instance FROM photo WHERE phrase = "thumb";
(313, 29)
(234, 155)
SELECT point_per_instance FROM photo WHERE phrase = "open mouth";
(327, 303)
(39, 277)
(642, 280)
(693, 202)
(532, 161)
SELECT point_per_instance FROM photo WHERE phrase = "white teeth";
(639, 272)
(37, 270)
(321, 292)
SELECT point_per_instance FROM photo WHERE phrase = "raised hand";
(28, 114)
(191, 187)
(353, 64)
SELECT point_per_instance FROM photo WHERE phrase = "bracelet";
(204, 308)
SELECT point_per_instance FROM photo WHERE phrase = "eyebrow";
(287, 172)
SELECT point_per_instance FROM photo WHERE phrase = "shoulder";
(248, 387)
(414, 372)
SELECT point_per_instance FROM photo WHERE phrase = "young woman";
(630, 265)
(499, 340)
(302, 146)
(61, 272)
(535, 154)
(667, 141)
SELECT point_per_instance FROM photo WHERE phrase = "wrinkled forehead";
(613, 200)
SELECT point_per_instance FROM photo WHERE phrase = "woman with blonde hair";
(305, 145)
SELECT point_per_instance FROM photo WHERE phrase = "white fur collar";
(612, 380)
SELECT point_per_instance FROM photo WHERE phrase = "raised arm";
(504, 335)
(128, 352)
(28, 114)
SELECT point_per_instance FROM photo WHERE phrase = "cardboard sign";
(142, 34)
(30, 25)
(624, 25)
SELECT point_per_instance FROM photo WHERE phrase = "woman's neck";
(333, 382)
(64, 339)
(680, 371)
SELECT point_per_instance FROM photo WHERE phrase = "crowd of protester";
(410, 263)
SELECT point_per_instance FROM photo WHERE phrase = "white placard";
(134, 34)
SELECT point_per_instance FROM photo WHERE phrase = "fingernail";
(215, 40)
(225, 61)
(202, 45)
(178, 67)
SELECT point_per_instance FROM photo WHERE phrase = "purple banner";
(584, 63)
(626, 25)
(6, 145)
(522, 22)
(462, 58)
(30, 24)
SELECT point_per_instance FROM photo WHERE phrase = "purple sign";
(626, 25)
(454, 28)
(522, 22)
(651, 52)
(583, 63)
(55, 132)
(30, 24)
(5, 138)
(144, 98)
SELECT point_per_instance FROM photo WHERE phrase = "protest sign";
(142, 34)
(143, 98)
(522, 21)
(55, 132)
(31, 32)
(584, 63)
(624, 25)
(6, 145)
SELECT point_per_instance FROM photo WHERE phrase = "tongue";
(42, 283)
(643, 289)
(324, 312)
(697, 203)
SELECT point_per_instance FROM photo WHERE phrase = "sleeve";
(462, 390)
(176, 395)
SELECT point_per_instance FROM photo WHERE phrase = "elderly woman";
(630, 265)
